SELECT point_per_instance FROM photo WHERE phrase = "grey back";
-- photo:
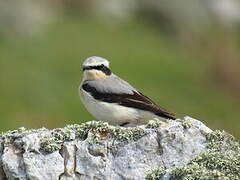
(112, 84)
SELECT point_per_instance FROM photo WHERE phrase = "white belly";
(113, 113)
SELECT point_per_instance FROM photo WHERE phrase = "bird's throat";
(94, 75)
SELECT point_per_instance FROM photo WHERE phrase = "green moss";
(220, 141)
(127, 134)
(10, 136)
(80, 131)
(57, 137)
(50, 145)
(221, 161)
(154, 123)
(186, 125)
(156, 174)
(55, 140)
(119, 133)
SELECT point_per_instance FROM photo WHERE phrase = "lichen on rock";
(180, 149)
(221, 161)
(156, 173)
(54, 141)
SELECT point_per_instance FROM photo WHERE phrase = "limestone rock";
(98, 151)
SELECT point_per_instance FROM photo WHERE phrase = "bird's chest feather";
(110, 112)
(93, 106)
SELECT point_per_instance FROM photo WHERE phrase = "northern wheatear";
(109, 98)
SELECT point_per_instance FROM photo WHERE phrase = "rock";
(180, 149)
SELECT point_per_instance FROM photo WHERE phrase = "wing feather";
(134, 99)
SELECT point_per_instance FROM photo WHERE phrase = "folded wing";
(132, 98)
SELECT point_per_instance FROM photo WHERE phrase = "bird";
(111, 99)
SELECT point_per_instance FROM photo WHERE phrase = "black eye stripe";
(102, 68)
(94, 67)
(86, 68)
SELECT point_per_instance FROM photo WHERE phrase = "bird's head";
(95, 68)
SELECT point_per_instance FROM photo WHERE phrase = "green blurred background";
(184, 56)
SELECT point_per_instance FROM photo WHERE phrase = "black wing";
(136, 100)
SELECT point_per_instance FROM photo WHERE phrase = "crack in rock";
(68, 152)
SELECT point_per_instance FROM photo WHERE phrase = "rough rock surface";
(98, 151)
